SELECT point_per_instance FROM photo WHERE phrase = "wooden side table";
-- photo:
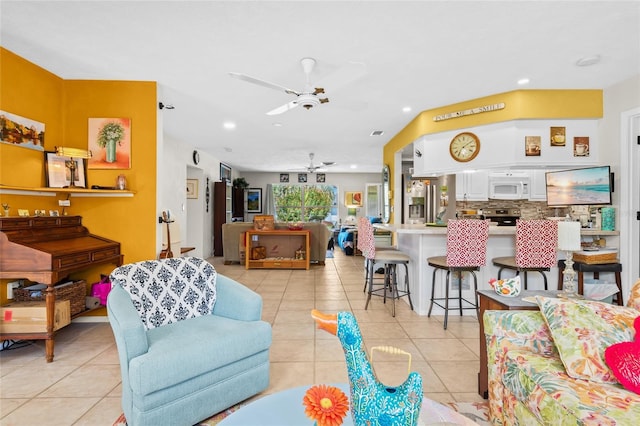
(490, 300)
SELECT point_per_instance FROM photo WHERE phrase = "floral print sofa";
(528, 381)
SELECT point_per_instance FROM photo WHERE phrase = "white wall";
(346, 182)
(618, 150)
(174, 167)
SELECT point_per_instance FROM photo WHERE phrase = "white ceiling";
(423, 54)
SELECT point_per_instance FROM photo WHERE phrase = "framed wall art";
(192, 188)
(58, 171)
(302, 178)
(532, 146)
(581, 146)
(284, 177)
(558, 136)
(225, 173)
(21, 131)
(321, 178)
(254, 200)
(110, 143)
(353, 199)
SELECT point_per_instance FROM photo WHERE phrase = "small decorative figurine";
(372, 403)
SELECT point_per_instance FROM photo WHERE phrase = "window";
(304, 203)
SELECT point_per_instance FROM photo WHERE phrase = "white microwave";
(509, 186)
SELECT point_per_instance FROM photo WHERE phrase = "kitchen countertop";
(493, 230)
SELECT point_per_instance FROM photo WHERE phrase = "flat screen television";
(587, 186)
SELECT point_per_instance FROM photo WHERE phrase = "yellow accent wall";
(65, 107)
(519, 105)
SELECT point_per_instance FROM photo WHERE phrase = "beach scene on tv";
(589, 186)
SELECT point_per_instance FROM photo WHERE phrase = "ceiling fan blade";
(283, 108)
(343, 76)
(263, 83)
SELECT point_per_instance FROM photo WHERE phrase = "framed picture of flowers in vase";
(110, 143)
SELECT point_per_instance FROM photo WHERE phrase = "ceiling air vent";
(377, 133)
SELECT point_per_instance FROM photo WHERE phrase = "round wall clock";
(464, 147)
(196, 157)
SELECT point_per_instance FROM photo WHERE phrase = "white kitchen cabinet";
(472, 186)
(538, 191)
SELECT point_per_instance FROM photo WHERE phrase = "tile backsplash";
(528, 209)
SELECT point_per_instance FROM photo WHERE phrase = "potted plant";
(240, 183)
(109, 135)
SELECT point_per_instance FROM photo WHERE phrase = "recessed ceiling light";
(523, 81)
(277, 124)
(588, 60)
(377, 133)
(406, 109)
(353, 166)
(229, 125)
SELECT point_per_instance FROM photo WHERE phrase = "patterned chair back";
(168, 290)
(536, 243)
(467, 242)
(366, 241)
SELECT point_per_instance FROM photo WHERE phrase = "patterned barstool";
(466, 251)
(361, 242)
(390, 259)
(536, 243)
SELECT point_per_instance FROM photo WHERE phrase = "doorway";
(630, 198)
(192, 234)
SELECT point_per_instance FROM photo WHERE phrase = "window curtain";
(269, 201)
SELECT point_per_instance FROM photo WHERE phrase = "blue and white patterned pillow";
(168, 290)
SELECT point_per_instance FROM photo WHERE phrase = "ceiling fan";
(311, 168)
(309, 96)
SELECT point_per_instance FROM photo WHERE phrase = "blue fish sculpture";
(372, 403)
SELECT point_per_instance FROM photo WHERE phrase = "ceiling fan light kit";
(307, 98)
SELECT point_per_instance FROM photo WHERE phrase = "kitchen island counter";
(420, 242)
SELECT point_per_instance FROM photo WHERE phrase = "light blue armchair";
(190, 341)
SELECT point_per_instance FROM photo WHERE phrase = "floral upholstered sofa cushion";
(528, 384)
(583, 329)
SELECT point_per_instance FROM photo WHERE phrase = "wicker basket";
(596, 257)
(263, 222)
(75, 292)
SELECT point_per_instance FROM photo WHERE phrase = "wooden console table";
(46, 250)
(490, 300)
(280, 248)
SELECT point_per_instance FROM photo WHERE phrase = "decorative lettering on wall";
(472, 111)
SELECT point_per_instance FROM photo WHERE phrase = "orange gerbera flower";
(327, 405)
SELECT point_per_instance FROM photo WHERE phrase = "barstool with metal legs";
(466, 252)
(536, 243)
(390, 259)
(362, 242)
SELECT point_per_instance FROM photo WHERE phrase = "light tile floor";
(82, 385)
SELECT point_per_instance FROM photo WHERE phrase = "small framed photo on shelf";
(192, 188)
(302, 178)
(321, 178)
(58, 171)
(54, 213)
(254, 200)
(23, 212)
(284, 177)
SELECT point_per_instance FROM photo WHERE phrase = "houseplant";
(109, 135)
(240, 183)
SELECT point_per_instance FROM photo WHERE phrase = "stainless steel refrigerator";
(426, 200)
